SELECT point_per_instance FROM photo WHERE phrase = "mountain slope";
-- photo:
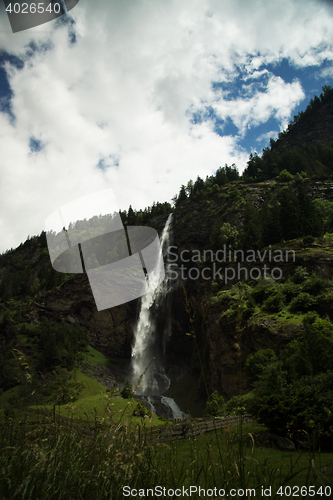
(234, 314)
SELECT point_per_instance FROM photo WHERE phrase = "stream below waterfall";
(151, 334)
(162, 406)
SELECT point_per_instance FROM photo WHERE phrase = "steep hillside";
(249, 261)
(203, 224)
(311, 127)
(306, 147)
(217, 288)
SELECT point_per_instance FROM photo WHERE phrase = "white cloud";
(125, 89)
(267, 135)
(277, 101)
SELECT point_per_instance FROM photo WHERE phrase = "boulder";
(282, 443)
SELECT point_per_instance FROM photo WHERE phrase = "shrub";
(312, 353)
(223, 235)
(234, 194)
(302, 302)
(300, 275)
(315, 285)
(290, 289)
(59, 344)
(141, 411)
(255, 364)
(301, 410)
(263, 289)
(285, 176)
(240, 404)
(215, 405)
(275, 302)
(214, 287)
(127, 391)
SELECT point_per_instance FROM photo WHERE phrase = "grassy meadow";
(93, 447)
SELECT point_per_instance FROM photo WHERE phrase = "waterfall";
(162, 405)
(152, 331)
(171, 403)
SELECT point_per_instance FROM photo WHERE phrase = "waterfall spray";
(153, 330)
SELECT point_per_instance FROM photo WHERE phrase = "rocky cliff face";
(223, 340)
(109, 331)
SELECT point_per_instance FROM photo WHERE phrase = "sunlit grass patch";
(94, 357)
(107, 408)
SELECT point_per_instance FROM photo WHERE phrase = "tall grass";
(48, 457)
(45, 458)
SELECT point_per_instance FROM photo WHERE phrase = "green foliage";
(325, 207)
(198, 186)
(240, 404)
(253, 229)
(127, 391)
(234, 194)
(57, 344)
(293, 394)
(285, 176)
(311, 354)
(263, 289)
(292, 215)
(141, 411)
(300, 275)
(223, 235)
(290, 289)
(212, 184)
(269, 393)
(314, 160)
(28, 271)
(64, 389)
(273, 380)
(302, 302)
(256, 363)
(189, 187)
(275, 302)
(315, 285)
(55, 461)
(182, 195)
(215, 406)
(302, 410)
(39, 359)
(315, 103)
(52, 460)
(144, 217)
(226, 174)
(214, 287)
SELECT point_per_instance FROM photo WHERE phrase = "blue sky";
(311, 80)
(256, 137)
(143, 95)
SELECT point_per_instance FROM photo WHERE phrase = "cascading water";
(176, 411)
(153, 330)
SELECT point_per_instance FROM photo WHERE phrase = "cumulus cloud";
(277, 100)
(115, 108)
